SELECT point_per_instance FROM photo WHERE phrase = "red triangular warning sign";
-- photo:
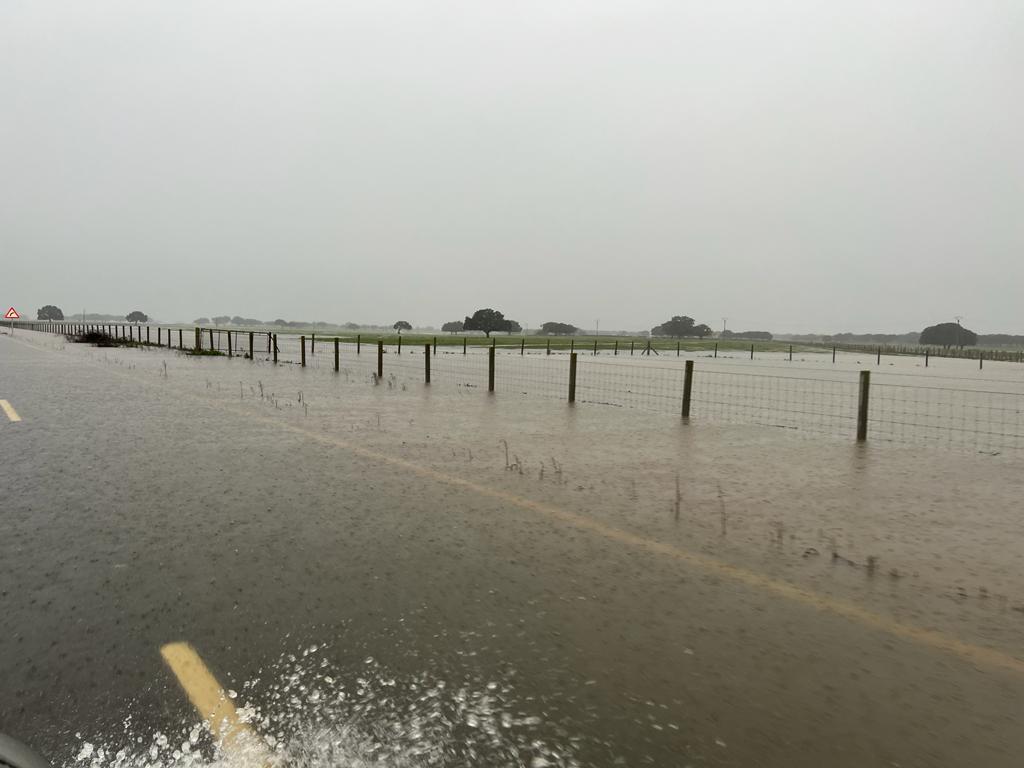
(12, 314)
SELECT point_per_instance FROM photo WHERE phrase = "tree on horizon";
(488, 320)
(948, 335)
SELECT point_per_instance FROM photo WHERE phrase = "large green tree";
(488, 321)
(558, 329)
(948, 335)
(50, 312)
(454, 326)
(680, 325)
(402, 325)
(137, 317)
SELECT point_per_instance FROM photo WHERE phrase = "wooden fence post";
(251, 339)
(981, 360)
(522, 346)
(716, 350)
(490, 369)
(337, 366)
(463, 345)
(380, 358)
(616, 347)
(147, 334)
(595, 346)
(751, 351)
(926, 358)
(312, 344)
(275, 347)
(302, 341)
(181, 341)
(159, 338)
(687, 388)
(833, 353)
(572, 377)
(199, 340)
(229, 344)
(211, 339)
(435, 345)
(399, 343)
(572, 346)
(359, 343)
(878, 360)
(426, 363)
(549, 346)
(677, 349)
(791, 353)
(862, 406)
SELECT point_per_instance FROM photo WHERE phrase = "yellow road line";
(9, 410)
(209, 699)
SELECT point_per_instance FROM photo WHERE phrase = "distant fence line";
(924, 351)
(982, 420)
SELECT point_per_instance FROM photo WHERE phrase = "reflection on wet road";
(389, 575)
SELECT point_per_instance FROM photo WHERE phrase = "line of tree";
(948, 335)
(453, 326)
(558, 329)
(680, 326)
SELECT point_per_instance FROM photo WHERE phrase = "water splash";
(308, 713)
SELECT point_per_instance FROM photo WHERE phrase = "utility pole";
(598, 324)
(724, 321)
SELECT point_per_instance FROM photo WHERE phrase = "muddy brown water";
(469, 606)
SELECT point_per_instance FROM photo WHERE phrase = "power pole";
(724, 321)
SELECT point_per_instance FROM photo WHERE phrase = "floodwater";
(393, 574)
(949, 403)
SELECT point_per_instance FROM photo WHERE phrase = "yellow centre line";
(9, 410)
(212, 703)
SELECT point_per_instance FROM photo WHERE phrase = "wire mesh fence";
(977, 420)
(812, 405)
(648, 387)
(934, 410)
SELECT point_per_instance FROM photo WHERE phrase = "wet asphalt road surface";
(361, 563)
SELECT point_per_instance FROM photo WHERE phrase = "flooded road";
(389, 574)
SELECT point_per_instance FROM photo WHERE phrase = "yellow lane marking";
(211, 702)
(9, 410)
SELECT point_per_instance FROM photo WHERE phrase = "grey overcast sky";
(795, 166)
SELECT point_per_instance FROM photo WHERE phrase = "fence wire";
(818, 406)
(646, 387)
(976, 420)
(536, 376)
